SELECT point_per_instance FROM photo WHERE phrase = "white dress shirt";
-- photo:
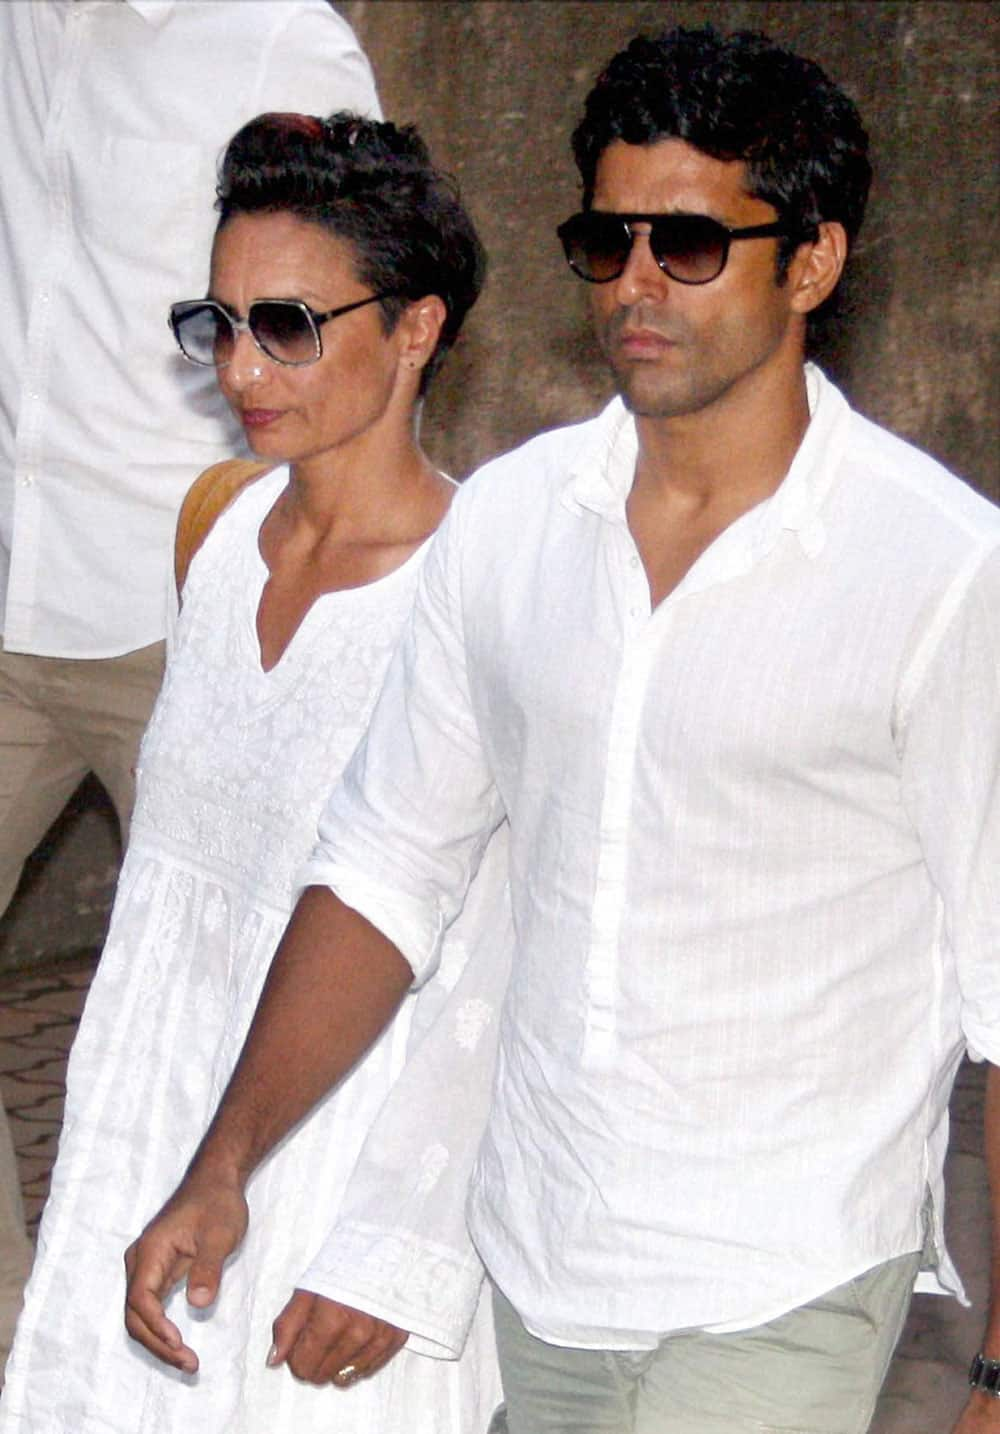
(114, 116)
(754, 854)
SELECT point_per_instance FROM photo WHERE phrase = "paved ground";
(38, 1016)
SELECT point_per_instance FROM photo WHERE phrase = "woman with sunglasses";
(342, 269)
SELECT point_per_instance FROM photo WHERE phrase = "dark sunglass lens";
(597, 246)
(204, 334)
(284, 331)
(689, 247)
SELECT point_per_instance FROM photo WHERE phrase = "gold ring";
(347, 1375)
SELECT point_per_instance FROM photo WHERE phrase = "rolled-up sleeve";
(403, 833)
(951, 783)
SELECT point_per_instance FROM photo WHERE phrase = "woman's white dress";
(234, 771)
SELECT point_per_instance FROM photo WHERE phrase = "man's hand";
(198, 1228)
(324, 1342)
(982, 1413)
(980, 1416)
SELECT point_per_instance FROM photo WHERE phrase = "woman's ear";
(817, 266)
(419, 329)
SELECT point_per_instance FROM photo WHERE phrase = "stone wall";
(496, 89)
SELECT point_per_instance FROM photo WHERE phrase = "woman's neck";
(387, 488)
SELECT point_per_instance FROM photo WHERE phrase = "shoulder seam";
(207, 498)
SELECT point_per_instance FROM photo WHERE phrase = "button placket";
(608, 906)
(27, 517)
(636, 585)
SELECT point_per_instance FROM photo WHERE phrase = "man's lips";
(638, 343)
(642, 339)
(639, 338)
(259, 417)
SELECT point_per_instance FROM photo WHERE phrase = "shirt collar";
(797, 505)
(154, 12)
(602, 474)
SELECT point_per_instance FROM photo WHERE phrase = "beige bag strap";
(207, 497)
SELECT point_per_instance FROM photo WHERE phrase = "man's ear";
(816, 267)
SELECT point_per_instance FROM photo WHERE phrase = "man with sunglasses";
(726, 657)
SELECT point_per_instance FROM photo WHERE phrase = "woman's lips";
(259, 417)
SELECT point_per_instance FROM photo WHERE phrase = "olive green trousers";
(816, 1370)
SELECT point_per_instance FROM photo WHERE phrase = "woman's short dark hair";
(737, 96)
(373, 185)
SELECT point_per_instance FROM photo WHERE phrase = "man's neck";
(696, 474)
(733, 453)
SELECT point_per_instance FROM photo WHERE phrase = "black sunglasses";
(286, 330)
(691, 248)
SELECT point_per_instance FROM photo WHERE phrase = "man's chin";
(645, 394)
(644, 402)
(645, 398)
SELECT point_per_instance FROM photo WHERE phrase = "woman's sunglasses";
(691, 248)
(286, 330)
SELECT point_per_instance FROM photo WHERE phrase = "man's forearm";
(991, 1342)
(334, 984)
(981, 1414)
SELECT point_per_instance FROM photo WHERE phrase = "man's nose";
(642, 278)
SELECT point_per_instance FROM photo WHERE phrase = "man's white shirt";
(754, 856)
(115, 115)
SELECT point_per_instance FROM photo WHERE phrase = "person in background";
(114, 114)
(342, 270)
(727, 658)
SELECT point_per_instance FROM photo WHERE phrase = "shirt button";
(634, 561)
(27, 480)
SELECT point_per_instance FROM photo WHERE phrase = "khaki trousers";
(59, 719)
(816, 1370)
(15, 1247)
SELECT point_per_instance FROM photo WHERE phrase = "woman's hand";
(324, 1342)
(198, 1228)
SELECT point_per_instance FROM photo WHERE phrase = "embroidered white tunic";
(235, 768)
(755, 844)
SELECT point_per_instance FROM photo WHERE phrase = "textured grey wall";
(496, 89)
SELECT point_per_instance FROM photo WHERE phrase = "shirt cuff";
(426, 1289)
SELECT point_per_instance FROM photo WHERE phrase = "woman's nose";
(247, 365)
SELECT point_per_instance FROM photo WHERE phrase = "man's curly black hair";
(742, 97)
